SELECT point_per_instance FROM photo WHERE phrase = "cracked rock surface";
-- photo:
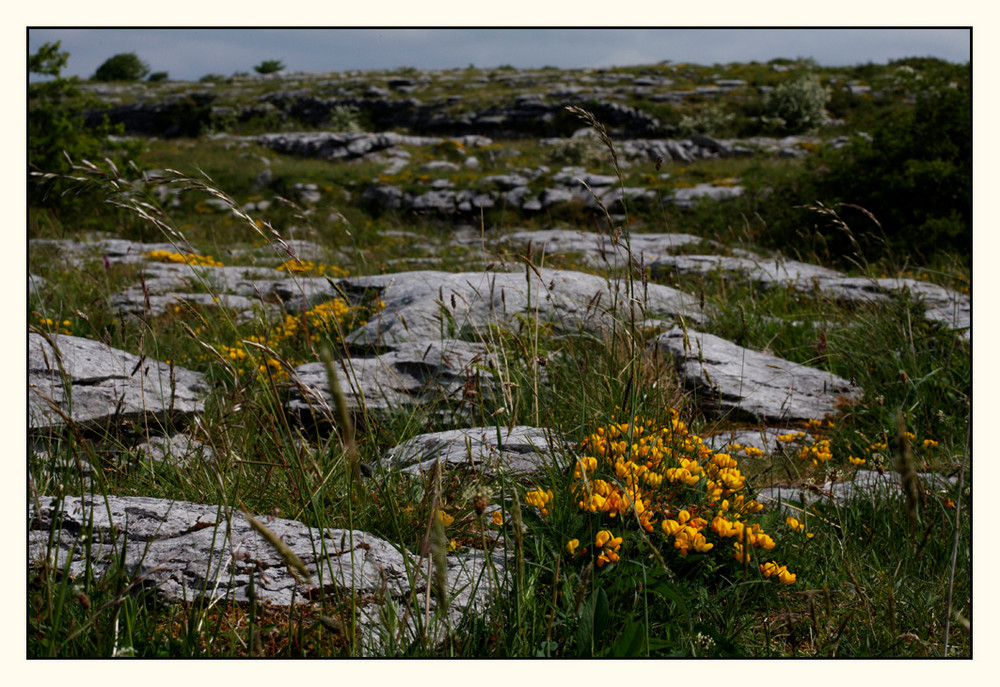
(517, 450)
(732, 380)
(187, 550)
(103, 384)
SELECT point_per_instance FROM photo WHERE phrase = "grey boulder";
(404, 375)
(732, 380)
(428, 306)
(94, 384)
(515, 451)
(185, 551)
(864, 484)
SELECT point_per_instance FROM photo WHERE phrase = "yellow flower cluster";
(296, 266)
(772, 568)
(751, 451)
(310, 327)
(183, 258)
(792, 437)
(54, 325)
(609, 546)
(818, 452)
(444, 518)
(540, 499)
(796, 526)
(686, 532)
(644, 473)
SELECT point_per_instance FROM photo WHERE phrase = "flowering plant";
(664, 484)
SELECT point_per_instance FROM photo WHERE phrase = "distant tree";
(269, 67)
(158, 76)
(124, 66)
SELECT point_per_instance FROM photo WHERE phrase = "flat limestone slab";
(517, 450)
(95, 384)
(863, 484)
(732, 380)
(599, 249)
(428, 305)
(188, 550)
(406, 374)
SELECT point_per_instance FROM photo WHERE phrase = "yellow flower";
(605, 538)
(780, 571)
(855, 461)
(571, 546)
(539, 499)
(610, 545)
(671, 527)
(497, 517)
(445, 519)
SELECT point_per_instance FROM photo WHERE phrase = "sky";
(190, 53)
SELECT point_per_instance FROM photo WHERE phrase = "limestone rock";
(952, 309)
(178, 449)
(765, 271)
(103, 384)
(186, 550)
(518, 450)
(864, 484)
(426, 305)
(731, 379)
(689, 197)
(407, 373)
(599, 249)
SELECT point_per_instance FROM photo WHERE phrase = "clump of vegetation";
(122, 67)
(712, 120)
(58, 134)
(662, 489)
(797, 106)
(269, 67)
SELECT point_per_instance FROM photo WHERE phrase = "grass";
(868, 584)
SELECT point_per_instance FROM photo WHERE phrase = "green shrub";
(914, 176)
(158, 76)
(57, 132)
(712, 120)
(797, 106)
(345, 118)
(269, 67)
(124, 66)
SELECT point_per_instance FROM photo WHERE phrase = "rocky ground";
(429, 338)
(186, 549)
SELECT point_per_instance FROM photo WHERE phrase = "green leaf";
(631, 642)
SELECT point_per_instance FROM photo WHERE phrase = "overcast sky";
(188, 54)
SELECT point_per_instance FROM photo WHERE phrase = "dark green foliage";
(269, 67)
(56, 131)
(124, 66)
(913, 175)
(158, 76)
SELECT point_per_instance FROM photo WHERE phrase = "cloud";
(192, 53)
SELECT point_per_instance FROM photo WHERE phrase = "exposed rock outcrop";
(93, 384)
